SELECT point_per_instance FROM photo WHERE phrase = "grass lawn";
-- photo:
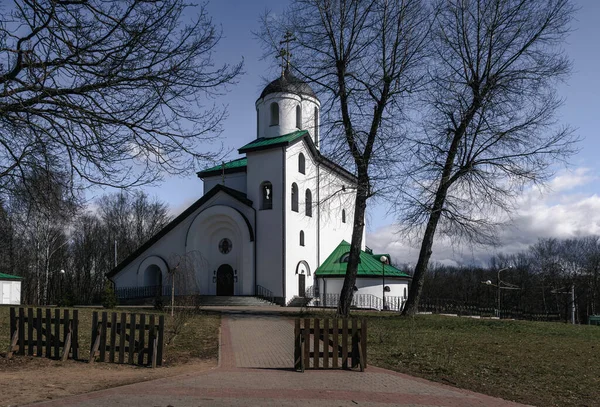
(198, 337)
(539, 363)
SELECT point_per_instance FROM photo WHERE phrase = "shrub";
(109, 298)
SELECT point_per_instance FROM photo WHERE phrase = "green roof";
(9, 277)
(230, 166)
(369, 265)
(267, 142)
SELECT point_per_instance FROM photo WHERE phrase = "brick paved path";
(255, 369)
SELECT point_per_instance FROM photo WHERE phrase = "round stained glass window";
(225, 246)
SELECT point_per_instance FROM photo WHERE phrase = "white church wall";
(172, 248)
(235, 181)
(206, 231)
(336, 194)
(299, 221)
(373, 286)
(267, 166)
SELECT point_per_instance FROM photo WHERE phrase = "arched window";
(317, 126)
(298, 117)
(274, 114)
(266, 193)
(308, 202)
(343, 216)
(295, 197)
(301, 238)
(301, 164)
(345, 257)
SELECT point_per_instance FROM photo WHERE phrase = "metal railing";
(142, 292)
(310, 292)
(264, 293)
(365, 301)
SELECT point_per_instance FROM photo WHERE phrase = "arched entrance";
(225, 280)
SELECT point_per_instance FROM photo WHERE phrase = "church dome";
(288, 83)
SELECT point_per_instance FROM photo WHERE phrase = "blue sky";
(570, 207)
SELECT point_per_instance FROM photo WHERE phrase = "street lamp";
(498, 287)
(384, 260)
(60, 285)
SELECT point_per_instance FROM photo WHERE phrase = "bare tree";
(489, 118)
(115, 92)
(364, 57)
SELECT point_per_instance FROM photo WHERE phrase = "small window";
(301, 164)
(316, 127)
(301, 238)
(308, 202)
(298, 117)
(343, 216)
(266, 191)
(295, 197)
(345, 258)
(274, 114)
(404, 292)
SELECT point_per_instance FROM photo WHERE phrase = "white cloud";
(562, 210)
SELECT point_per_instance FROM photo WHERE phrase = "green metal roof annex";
(9, 277)
(269, 142)
(369, 265)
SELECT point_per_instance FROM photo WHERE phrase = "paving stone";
(256, 369)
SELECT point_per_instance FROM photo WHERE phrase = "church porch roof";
(237, 165)
(368, 266)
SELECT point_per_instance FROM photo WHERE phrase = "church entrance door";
(301, 285)
(225, 280)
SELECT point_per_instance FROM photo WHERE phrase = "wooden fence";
(333, 346)
(34, 334)
(117, 338)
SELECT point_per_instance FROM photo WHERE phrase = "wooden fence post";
(113, 337)
(21, 350)
(57, 333)
(14, 333)
(122, 334)
(335, 345)
(131, 338)
(38, 328)
(30, 325)
(161, 331)
(316, 340)
(75, 339)
(297, 345)
(326, 343)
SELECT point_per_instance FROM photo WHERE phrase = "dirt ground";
(25, 379)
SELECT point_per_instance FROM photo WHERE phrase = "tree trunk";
(416, 287)
(357, 233)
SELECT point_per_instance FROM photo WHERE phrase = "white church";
(274, 223)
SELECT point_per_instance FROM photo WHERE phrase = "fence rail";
(337, 343)
(40, 336)
(446, 306)
(126, 346)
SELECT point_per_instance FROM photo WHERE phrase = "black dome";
(288, 83)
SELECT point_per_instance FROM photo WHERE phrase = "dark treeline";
(62, 248)
(540, 280)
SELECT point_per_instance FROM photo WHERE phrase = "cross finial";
(284, 53)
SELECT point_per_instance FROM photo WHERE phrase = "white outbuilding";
(267, 220)
(10, 289)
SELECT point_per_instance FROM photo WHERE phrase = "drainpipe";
(283, 225)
